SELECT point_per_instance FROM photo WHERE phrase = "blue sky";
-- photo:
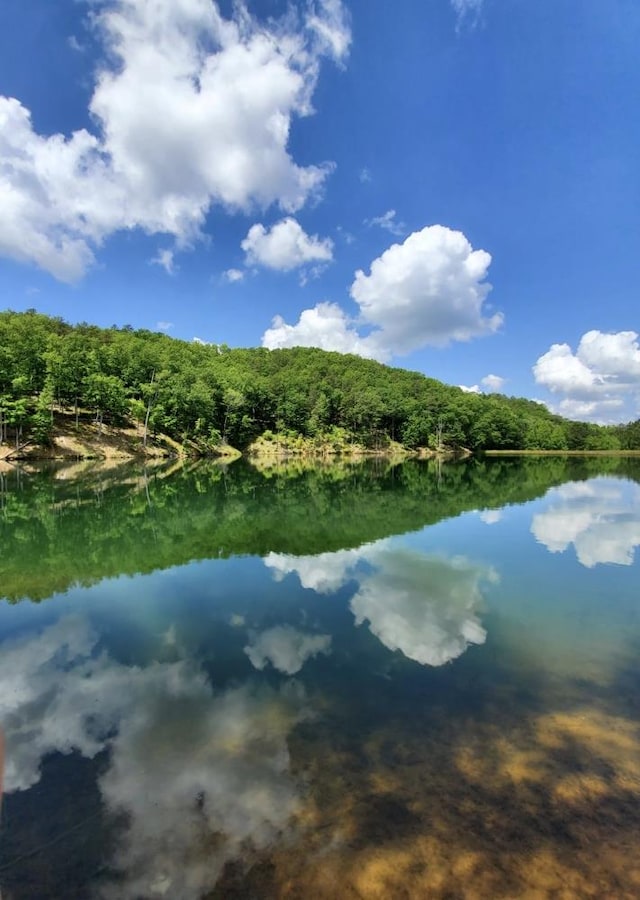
(352, 175)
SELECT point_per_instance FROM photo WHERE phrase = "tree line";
(210, 394)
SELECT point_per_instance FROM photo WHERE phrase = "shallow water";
(359, 681)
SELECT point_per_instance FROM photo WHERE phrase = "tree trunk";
(146, 418)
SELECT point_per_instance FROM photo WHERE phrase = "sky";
(449, 186)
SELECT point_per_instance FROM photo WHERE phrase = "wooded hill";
(210, 394)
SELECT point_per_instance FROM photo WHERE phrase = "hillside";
(211, 396)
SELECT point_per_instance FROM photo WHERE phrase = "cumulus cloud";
(600, 381)
(489, 383)
(559, 370)
(493, 382)
(601, 518)
(200, 775)
(603, 410)
(191, 110)
(286, 648)
(617, 355)
(285, 246)
(388, 222)
(326, 326)
(429, 290)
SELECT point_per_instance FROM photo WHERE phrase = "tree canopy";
(208, 394)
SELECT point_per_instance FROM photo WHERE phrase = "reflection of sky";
(324, 573)
(200, 775)
(601, 518)
(423, 605)
(491, 516)
(286, 648)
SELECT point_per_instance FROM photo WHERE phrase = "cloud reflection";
(601, 518)
(491, 516)
(424, 606)
(324, 573)
(200, 776)
(286, 648)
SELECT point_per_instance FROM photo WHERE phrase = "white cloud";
(231, 790)
(75, 44)
(559, 370)
(346, 236)
(165, 259)
(467, 12)
(600, 518)
(192, 110)
(388, 222)
(493, 382)
(601, 381)
(490, 382)
(325, 326)
(595, 410)
(286, 648)
(330, 22)
(429, 290)
(285, 246)
(233, 275)
(164, 326)
(365, 176)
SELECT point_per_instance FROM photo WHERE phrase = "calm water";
(350, 682)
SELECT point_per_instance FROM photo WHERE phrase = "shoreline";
(620, 453)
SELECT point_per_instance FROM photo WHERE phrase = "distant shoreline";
(560, 453)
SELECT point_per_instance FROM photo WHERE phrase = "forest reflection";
(60, 529)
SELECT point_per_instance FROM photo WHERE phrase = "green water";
(358, 681)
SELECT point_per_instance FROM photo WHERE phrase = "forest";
(211, 395)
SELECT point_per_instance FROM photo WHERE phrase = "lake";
(351, 681)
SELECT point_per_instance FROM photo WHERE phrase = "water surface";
(358, 681)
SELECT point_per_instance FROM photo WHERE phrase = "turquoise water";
(353, 681)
